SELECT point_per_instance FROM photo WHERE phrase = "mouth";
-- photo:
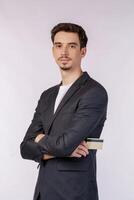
(64, 59)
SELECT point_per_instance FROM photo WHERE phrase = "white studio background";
(27, 68)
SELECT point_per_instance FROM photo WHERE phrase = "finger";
(74, 154)
(81, 147)
(42, 135)
(81, 152)
(77, 155)
(39, 137)
(84, 143)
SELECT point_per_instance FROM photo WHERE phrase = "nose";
(64, 50)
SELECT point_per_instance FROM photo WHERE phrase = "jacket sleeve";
(91, 113)
(28, 148)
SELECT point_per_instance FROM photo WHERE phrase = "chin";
(65, 68)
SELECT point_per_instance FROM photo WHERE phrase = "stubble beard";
(65, 68)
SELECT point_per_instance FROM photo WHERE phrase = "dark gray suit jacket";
(80, 114)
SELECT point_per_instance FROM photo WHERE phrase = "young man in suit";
(65, 116)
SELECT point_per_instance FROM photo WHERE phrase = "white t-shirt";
(62, 91)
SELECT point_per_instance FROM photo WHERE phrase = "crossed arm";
(81, 150)
(87, 122)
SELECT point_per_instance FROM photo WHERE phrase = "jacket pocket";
(73, 164)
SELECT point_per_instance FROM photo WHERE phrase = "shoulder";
(95, 90)
(46, 93)
(49, 90)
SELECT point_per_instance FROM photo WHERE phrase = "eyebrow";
(70, 43)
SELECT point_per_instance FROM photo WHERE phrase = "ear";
(83, 51)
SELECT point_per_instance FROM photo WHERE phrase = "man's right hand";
(39, 137)
(81, 150)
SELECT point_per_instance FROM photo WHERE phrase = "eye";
(58, 46)
(72, 46)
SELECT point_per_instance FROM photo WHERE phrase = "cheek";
(56, 55)
(76, 56)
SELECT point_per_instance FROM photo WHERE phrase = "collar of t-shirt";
(62, 91)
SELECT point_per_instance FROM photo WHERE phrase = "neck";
(69, 77)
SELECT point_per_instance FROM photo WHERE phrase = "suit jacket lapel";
(49, 112)
(74, 87)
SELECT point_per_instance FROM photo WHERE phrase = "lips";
(64, 59)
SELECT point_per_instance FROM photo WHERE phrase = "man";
(65, 116)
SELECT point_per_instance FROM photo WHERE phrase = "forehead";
(66, 37)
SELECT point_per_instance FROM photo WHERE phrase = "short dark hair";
(69, 27)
